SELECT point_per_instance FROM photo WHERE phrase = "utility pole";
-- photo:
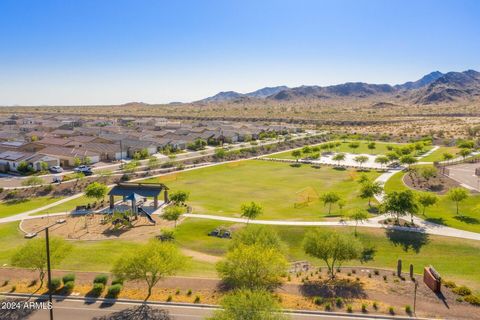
(49, 273)
(415, 296)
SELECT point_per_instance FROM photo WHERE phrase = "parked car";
(88, 172)
(82, 168)
(56, 169)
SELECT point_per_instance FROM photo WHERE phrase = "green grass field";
(12, 207)
(67, 206)
(380, 148)
(444, 212)
(420, 250)
(437, 155)
(222, 189)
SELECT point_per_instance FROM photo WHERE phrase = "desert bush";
(101, 278)
(55, 283)
(68, 286)
(474, 300)
(462, 291)
(97, 289)
(117, 281)
(114, 290)
(68, 278)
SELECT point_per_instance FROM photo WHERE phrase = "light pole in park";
(49, 269)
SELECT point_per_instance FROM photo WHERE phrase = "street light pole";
(49, 273)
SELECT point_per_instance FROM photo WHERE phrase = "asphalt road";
(79, 310)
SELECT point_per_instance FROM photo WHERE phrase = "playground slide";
(148, 215)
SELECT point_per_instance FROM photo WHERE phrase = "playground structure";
(137, 195)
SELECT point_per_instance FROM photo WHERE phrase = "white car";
(56, 169)
(82, 168)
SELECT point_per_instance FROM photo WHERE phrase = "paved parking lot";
(465, 174)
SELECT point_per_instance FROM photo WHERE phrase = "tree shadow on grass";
(342, 288)
(466, 219)
(368, 254)
(439, 221)
(142, 312)
(408, 240)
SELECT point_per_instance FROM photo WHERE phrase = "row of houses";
(61, 140)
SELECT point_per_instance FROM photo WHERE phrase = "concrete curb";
(211, 306)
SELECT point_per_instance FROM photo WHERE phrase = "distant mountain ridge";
(435, 87)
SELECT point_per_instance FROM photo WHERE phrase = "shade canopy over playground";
(129, 191)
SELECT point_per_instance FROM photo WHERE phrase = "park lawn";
(12, 207)
(437, 155)
(380, 148)
(444, 212)
(281, 190)
(419, 249)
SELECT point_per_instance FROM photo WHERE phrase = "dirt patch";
(439, 184)
(95, 227)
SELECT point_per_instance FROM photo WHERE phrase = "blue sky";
(116, 51)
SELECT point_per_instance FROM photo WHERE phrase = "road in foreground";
(80, 310)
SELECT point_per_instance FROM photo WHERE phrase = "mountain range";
(434, 88)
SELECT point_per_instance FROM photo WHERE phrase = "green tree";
(245, 304)
(179, 197)
(253, 267)
(372, 145)
(465, 152)
(43, 166)
(330, 198)
(358, 216)
(220, 153)
(360, 160)
(383, 160)
(150, 262)
(370, 189)
(339, 157)
(32, 181)
(426, 199)
(296, 154)
(96, 190)
(447, 156)
(306, 150)
(251, 211)
(400, 203)
(131, 166)
(457, 195)
(33, 255)
(173, 213)
(408, 160)
(333, 248)
(392, 156)
(77, 161)
(258, 235)
(354, 146)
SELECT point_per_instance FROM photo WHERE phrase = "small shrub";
(462, 291)
(375, 305)
(97, 289)
(449, 284)
(328, 307)
(349, 309)
(385, 277)
(474, 300)
(357, 278)
(114, 290)
(408, 309)
(13, 289)
(197, 299)
(391, 310)
(177, 292)
(459, 299)
(349, 274)
(318, 300)
(169, 298)
(101, 278)
(5, 283)
(189, 292)
(339, 302)
(117, 281)
(55, 283)
(68, 286)
(364, 308)
(68, 278)
(354, 271)
(376, 272)
(369, 275)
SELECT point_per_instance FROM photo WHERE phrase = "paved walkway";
(422, 225)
